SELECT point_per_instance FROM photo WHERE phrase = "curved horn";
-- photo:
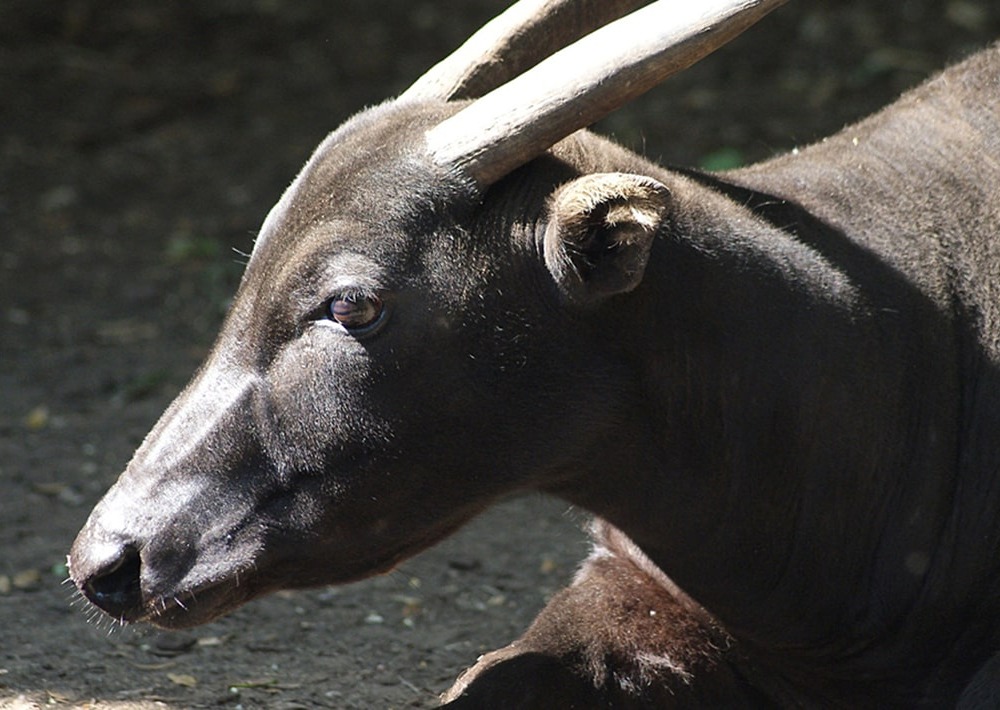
(511, 43)
(584, 82)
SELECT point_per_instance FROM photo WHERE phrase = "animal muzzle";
(133, 565)
(177, 571)
(175, 525)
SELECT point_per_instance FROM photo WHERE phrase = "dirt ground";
(139, 151)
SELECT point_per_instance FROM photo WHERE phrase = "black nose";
(115, 587)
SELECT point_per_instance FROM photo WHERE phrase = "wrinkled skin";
(781, 384)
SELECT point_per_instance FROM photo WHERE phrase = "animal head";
(419, 328)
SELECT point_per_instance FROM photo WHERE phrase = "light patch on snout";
(117, 513)
(196, 416)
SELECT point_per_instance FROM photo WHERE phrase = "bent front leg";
(621, 636)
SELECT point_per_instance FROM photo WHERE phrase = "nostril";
(115, 588)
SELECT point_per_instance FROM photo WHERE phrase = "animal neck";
(763, 466)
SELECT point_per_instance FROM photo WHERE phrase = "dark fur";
(790, 403)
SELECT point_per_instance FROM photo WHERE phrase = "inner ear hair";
(621, 197)
(600, 231)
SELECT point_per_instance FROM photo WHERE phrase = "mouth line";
(193, 606)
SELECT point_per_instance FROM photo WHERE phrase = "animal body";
(777, 388)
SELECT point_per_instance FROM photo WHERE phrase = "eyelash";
(358, 312)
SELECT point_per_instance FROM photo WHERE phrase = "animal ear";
(600, 231)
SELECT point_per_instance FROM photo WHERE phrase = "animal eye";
(357, 313)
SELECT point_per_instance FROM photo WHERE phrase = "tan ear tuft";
(600, 232)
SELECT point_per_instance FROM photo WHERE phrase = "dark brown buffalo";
(778, 389)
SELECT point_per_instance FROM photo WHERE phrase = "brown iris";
(356, 313)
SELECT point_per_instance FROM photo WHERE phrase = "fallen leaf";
(37, 418)
(188, 681)
(153, 666)
(411, 605)
(27, 579)
(257, 683)
(48, 489)
(57, 698)
(5, 585)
